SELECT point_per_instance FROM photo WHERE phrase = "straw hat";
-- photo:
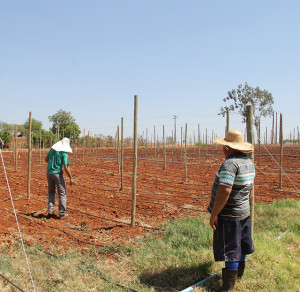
(235, 140)
(62, 145)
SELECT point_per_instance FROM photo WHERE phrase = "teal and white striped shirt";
(236, 172)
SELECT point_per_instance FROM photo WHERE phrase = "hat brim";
(243, 147)
(62, 146)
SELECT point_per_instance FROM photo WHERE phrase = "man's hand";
(73, 182)
(213, 222)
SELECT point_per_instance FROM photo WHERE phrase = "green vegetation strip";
(165, 261)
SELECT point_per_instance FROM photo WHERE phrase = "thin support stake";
(134, 172)
(29, 156)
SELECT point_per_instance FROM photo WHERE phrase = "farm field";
(100, 213)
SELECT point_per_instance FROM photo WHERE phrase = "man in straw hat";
(58, 161)
(230, 209)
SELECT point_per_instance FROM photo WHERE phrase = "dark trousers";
(232, 239)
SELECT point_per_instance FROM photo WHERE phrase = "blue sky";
(180, 57)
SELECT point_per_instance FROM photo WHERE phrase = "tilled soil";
(100, 211)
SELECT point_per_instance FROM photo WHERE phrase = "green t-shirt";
(56, 160)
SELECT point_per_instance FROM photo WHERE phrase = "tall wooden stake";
(185, 154)
(281, 151)
(40, 146)
(29, 156)
(259, 144)
(122, 152)
(199, 142)
(227, 121)
(250, 139)
(134, 172)
(118, 148)
(57, 137)
(154, 144)
(164, 143)
(16, 149)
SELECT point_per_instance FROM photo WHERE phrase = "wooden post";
(227, 121)
(122, 152)
(118, 148)
(83, 144)
(134, 172)
(146, 142)
(276, 130)
(41, 146)
(194, 142)
(250, 139)
(259, 143)
(185, 154)
(181, 137)
(29, 156)
(199, 141)
(298, 137)
(172, 142)
(16, 149)
(57, 138)
(206, 141)
(154, 144)
(272, 134)
(281, 151)
(164, 143)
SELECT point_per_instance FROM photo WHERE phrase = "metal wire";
(12, 201)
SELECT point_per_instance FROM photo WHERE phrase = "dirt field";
(100, 213)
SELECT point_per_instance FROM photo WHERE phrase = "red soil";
(100, 213)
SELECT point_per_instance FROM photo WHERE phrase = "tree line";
(64, 124)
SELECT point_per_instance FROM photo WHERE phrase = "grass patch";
(170, 260)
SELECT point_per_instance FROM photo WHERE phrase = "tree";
(7, 127)
(35, 125)
(261, 100)
(11, 128)
(6, 137)
(66, 122)
(71, 129)
(49, 138)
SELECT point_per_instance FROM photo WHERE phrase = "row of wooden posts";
(250, 139)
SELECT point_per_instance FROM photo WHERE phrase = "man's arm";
(68, 172)
(222, 197)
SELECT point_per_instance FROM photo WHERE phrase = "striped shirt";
(236, 172)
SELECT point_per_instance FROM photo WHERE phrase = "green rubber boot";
(229, 277)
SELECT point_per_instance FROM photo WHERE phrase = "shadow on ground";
(176, 279)
(42, 215)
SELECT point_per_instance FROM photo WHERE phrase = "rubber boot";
(241, 269)
(229, 277)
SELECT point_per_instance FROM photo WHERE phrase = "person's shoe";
(63, 215)
(50, 214)
(229, 277)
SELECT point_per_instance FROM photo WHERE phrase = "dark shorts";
(232, 239)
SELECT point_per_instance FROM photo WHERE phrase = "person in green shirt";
(57, 163)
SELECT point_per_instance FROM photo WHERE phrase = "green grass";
(170, 260)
